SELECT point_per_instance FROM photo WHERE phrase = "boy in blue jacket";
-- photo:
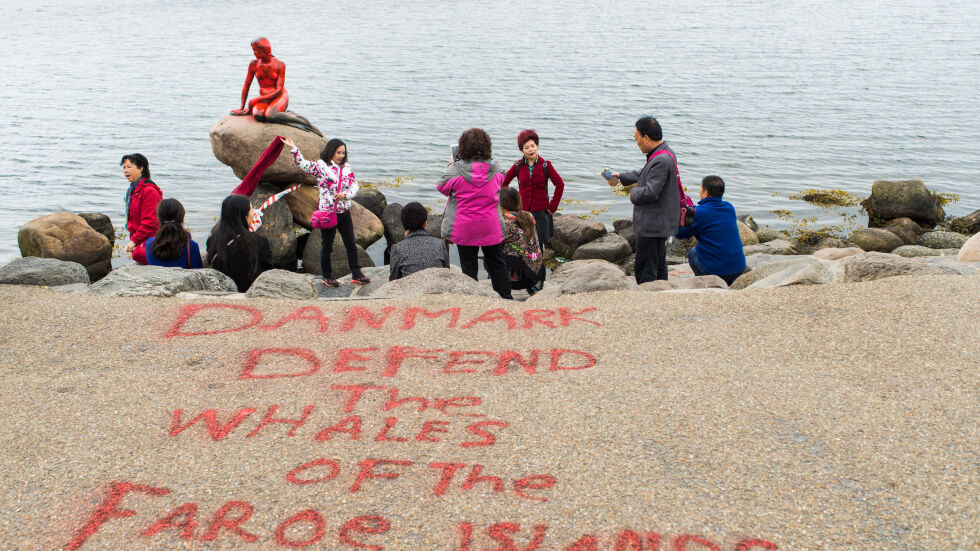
(719, 248)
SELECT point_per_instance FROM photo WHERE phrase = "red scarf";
(269, 156)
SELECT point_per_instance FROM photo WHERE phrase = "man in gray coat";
(656, 201)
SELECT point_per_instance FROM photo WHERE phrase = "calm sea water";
(774, 96)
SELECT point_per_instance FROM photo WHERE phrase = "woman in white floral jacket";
(337, 186)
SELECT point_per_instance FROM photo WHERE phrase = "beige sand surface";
(833, 417)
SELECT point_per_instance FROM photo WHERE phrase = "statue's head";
(261, 46)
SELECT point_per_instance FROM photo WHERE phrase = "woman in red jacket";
(142, 199)
(532, 173)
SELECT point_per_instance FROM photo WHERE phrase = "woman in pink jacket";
(473, 220)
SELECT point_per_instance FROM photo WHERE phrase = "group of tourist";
(510, 226)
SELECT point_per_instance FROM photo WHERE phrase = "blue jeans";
(692, 260)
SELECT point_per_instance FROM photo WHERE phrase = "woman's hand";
(130, 247)
(341, 196)
(289, 142)
(614, 179)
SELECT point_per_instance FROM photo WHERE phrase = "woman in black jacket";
(233, 249)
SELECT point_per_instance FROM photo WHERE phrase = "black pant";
(544, 223)
(346, 226)
(651, 259)
(493, 261)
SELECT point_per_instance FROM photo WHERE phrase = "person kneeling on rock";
(719, 249)
(419, 250)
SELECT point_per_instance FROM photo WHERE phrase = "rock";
(905, 228)
(747, 235)
(767, 234)
(49, 272)
(612, 247)
(776, 246)
(571, 232)
(391, 218)
(158, 281)
(801, 270)
(951, 265)
(302, 203)
(68, 237)
(367, 227)
(378, 276)
(837, 253)
(754, 261)
(584, 276)
(970, 252)
(876, 239)
(239, 141)
(682, 270)
(941, 240)
(876, 265)
(800, 274)
(283, 284)
(338, 256)
(689, 283)
(625, 229)
(657, 285)
(916, 251)
(347, 289)
(968, 224)
(373, 200)
(277, 226)
(909, 198)
(674, 260)
(748, 221)
(73, 288)
(204, 295)
(100, 223)
(434, 281)
(680, 247)
(434, 225)
(832, 243)
(629, 265)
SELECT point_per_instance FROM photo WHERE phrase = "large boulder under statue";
(239, 142)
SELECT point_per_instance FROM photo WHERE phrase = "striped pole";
(257, 216)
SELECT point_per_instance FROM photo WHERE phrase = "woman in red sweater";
(532, 173)
(142, 199)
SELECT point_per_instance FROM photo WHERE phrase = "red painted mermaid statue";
(271, 103)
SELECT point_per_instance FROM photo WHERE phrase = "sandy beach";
(805, 417)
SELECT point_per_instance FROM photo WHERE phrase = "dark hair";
(526, 135)
(714, 185)
(510, 199)
(648, 126)
(171, 239)
(141, 163)
(332, 146)
(475, 145)
(413, 216)
(232, 237)
(262, 43)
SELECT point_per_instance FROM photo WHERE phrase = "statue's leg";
(294, 120)
(259, 111)
(276, 112)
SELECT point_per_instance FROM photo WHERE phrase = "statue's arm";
(248, 82)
